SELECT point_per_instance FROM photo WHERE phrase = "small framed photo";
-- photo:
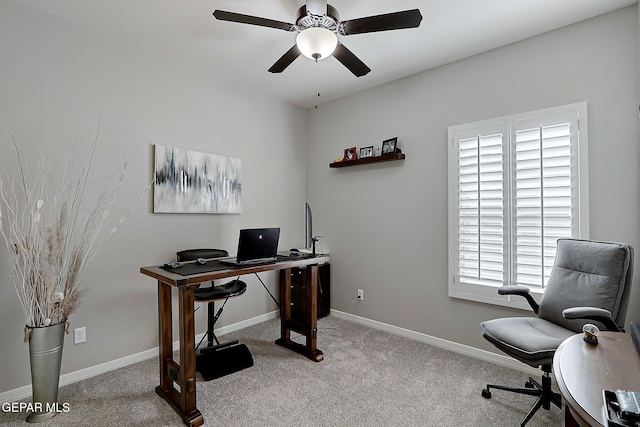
(389, 146)
(366, 152)
(350, 154)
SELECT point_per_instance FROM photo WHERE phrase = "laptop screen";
(258, 243)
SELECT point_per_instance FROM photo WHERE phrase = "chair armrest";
(522, 291)
(592, 313)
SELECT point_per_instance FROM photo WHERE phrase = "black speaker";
(223, 361)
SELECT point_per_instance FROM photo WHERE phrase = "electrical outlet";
(79, 335)
(360, 294)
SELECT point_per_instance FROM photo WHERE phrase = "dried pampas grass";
(52, 229)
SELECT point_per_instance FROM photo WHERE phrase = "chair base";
(223, 360)
(546, 396)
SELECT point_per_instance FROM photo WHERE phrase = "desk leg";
(183, 400)
(165, 338)
(285, 306)
(309, 327)
(312, 309)
(568, 419)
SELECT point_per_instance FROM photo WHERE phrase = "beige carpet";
(368, 378)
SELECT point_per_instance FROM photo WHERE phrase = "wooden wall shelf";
(368, 160)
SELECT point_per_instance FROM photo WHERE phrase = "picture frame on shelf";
(389, 146)
(350, 154)
(366, 152)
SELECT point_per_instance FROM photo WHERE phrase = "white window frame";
(507, 126)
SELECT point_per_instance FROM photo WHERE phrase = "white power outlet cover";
(79, 335)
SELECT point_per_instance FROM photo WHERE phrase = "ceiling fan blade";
(317, 7)
(285, 60)
(349, 60)
(385, 22)
(252, 20)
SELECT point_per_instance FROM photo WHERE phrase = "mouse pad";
(190, 268)
(195, 268)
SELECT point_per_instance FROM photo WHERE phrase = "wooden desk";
(183, 397)
(583, 370)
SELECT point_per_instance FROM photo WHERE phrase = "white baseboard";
(476, 353)
(73, 377)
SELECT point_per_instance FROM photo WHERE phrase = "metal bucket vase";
(45, 352)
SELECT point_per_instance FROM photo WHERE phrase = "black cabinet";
(299, 278)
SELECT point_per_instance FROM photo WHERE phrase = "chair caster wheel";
(529, 384)
(486, 393)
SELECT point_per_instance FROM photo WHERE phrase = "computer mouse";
(201, 261)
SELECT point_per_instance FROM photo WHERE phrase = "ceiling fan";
(318, 25)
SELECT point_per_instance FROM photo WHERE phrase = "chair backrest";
(588, 274)
(193, 254)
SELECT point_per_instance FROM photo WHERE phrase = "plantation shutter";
(516, 185)
(542, 198)
(481, 210)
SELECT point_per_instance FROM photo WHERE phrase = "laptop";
(256, 246)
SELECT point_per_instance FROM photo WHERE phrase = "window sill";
(491, 296)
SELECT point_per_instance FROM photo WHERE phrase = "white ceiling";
(450, 30)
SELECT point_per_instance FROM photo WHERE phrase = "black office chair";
(213, 293)
(590, 282)
(214, 361)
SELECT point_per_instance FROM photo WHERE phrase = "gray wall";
(386, 224)
(56, 81)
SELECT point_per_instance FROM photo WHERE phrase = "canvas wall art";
(188, 181)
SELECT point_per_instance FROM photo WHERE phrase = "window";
(516, 185)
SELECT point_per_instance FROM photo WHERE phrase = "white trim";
(92, 371)
(72, 377)
(242, 325)
(476, 353)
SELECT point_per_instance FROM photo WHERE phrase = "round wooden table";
(583, 370)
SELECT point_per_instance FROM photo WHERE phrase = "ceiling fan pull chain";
(317, 82)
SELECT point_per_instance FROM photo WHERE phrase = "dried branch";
(52, 230)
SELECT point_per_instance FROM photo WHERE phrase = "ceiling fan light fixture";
(317, 42)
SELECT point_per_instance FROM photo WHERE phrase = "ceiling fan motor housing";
(330, 21)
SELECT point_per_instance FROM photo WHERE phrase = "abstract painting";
(188, 181)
